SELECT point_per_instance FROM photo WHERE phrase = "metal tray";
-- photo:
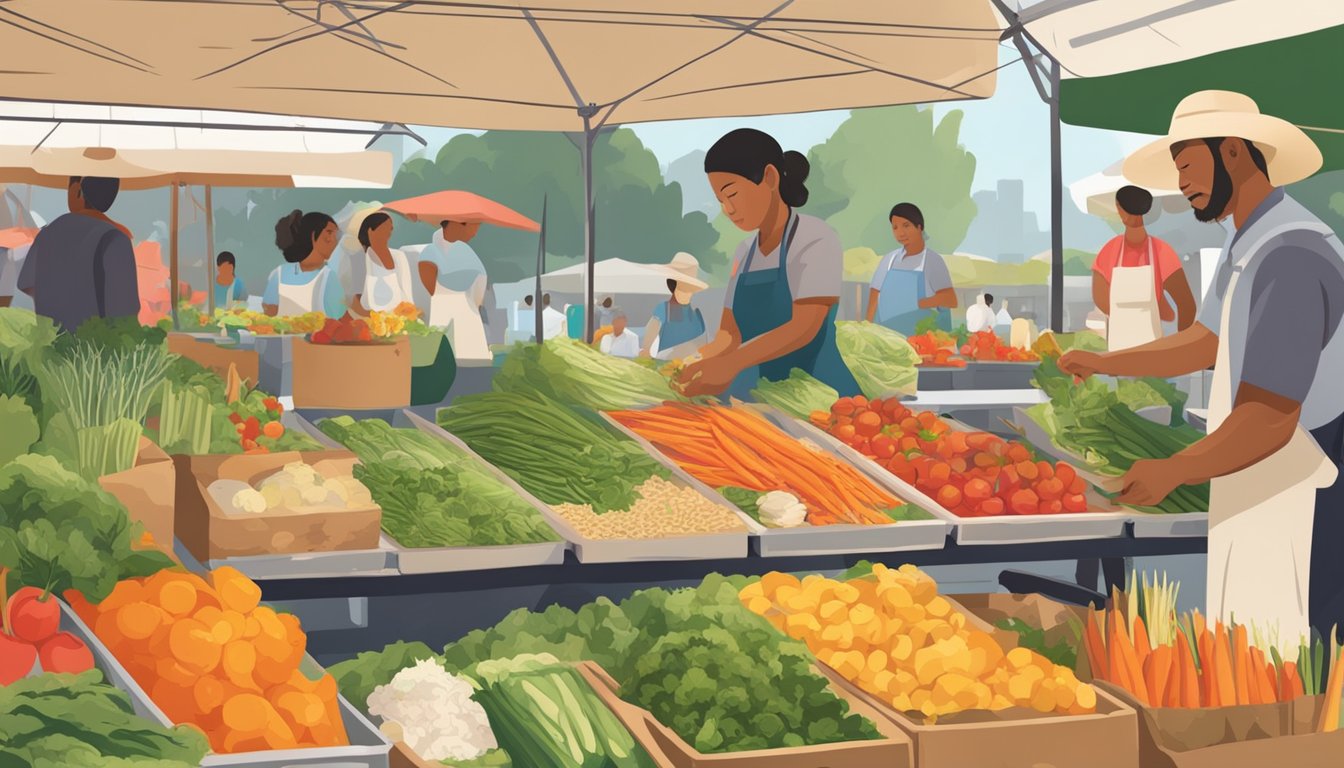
(1006, 529)
(414, 560)
(316, 565)
(1147, 525)
(903, 536)
(997, 375)
(709, 546)
(368, 747)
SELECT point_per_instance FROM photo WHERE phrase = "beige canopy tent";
(555, 65)
(45, 144)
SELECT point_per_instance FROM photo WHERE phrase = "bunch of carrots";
(1141, 645)
(727, 446)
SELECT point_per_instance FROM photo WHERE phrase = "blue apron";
(690, 324)
(898, 301)
(762, 302)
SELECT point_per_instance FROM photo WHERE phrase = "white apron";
(381, 293)
(1135, 319)
(460, 317)
(1260, 522)
(301, 299)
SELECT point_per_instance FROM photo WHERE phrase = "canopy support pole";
(1056, 208)
(541, 267)
(210, 251)
(589, 235)
(172, 253)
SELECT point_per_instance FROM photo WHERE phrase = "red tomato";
(1050, 489)
(991, 506)
(1018, 453)
(1075, 502)
(958, 465)
(845, 432)
(843, 407)
(868, 424)
(863, 446)
(1066, 473)
(1025, 502)
(860, 401)
(1078, 486)
(949, 497)
(1027, 471)
(978, 490)
(1053, 507)
(883, 447)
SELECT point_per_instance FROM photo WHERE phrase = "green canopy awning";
(1297, 78)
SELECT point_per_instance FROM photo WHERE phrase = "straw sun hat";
(685, 269)
(1290, 153)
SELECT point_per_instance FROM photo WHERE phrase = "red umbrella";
(456, 205)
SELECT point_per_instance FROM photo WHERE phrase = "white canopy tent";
(45, 144)
(1093, 38)
(557, 65)
(611, 276)
(1095, 196)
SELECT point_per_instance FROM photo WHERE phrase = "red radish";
(16, 659)
(31, 618)
(65, 653)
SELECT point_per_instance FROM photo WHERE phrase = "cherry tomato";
(1025, 502)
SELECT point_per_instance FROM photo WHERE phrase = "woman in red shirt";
(1123, 271)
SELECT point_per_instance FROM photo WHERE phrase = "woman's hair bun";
(792, 176)
(287, 231)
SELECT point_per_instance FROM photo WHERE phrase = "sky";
(1009, 134)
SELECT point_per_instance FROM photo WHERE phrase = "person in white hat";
(1271, 329)
(677, 329)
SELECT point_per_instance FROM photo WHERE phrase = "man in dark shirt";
(82, 264)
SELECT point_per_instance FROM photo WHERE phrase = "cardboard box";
(209, 533)
(669, 749)
(1062, 623)
(1013, 738)
(375, 375)
(1254, 735)
(148, 491)
(1018, 738)
(216, 357)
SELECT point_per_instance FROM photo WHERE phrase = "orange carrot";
(1141, 646)
(1334, 688)
(1096, 647)
(1293, 681)
(1208, 675)
(1190, 681)
(1241, 664)
(1255, 676)
(1129, 662)
(1222, 667)
(1160, 660)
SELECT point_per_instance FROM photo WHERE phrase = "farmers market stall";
(542, 561)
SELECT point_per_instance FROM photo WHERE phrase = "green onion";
(102, 394)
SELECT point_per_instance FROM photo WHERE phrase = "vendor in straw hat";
(1270, 328)
(677, 329)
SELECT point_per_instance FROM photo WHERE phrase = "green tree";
(882, 156)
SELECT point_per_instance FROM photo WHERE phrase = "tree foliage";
(879, 157)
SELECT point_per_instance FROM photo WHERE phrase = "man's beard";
(1220, 195)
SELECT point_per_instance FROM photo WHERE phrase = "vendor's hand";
(1149, 481)
(1081, 363)
(710, 376)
